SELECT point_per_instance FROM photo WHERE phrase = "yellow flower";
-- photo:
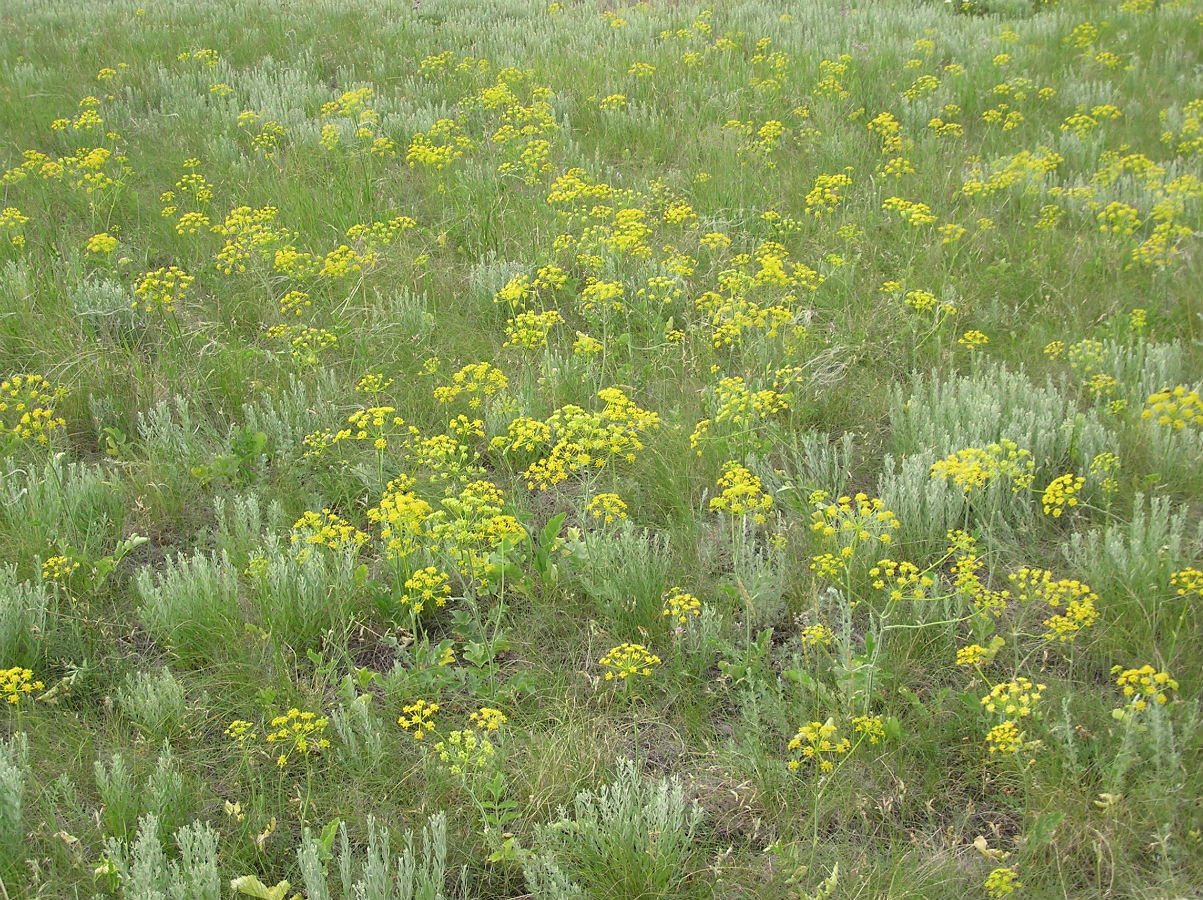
(1002, 883)
(103, 243)
(607, 507)
(488, 719)
(240, 731)
(301, 732)
(1061, 492)
(16, 684)
(680, 605)
(628, 660)
(418, 717)
(1140, 685)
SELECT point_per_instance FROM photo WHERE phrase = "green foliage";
(190, 604)
(631, 838)
(591, 328)
(153, 702)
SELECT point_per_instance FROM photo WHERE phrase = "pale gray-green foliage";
(106, 307)
(361, 738)
(402, 314)
(545, 880)
(14, 770)
(946, 415)
(627, 573)
(1137, 557)
(816, 461)
(59, 503)
(175, 438)
(760, 575)
(146, 873)
(631, 838)
(118, 795)
(163, 793)
(284, 93)
(490, 275)
(286, 417)
(190, 603)
(154, 701)
(23, 617)
(379, 874)
(1140, 369)
(927, 508)
(300, 596)
(242, 522)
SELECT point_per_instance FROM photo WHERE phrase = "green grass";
(650, 177)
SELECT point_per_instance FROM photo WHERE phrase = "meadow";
(565, 449)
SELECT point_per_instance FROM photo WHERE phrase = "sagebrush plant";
(367, 373)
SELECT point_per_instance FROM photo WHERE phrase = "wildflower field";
(562, 450)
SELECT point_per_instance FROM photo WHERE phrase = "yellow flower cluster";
(741, 494)
(439, 146)
(529, 329)
(401, 516)
(427, 585)
(249, 235)
(473, 531)
(1005, 737)
(586, 440)
(1140, 685)
(1061, 492)
(101, 244)
(17, 683)
(307, 343)
(607, 507)
(465, 751)
(488, 719)
(680, 605)
(162, 289)
(852, 521)
(627, 660)
(12, 221)
(1119, 219)
(325, 529)
(816, 635)
(418, 718)
(972, 655)
(900, 579)
(817, 743)
(373, 423)
(1175, 407)
(825, 195)
(966, 581)
(872, 727)
(27, 407)
(1188, 581)
(58, 569)
(1002, 883)
(973, 339)
(914, 213)
(477, 382)
(1103, 467)
(241, 731)
(976, 467)
(1077, 599)
(300, 732)
(1013, 699)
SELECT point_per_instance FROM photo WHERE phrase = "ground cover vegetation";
(575, 450)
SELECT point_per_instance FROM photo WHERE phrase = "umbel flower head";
(629, 660)
(299, 732)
